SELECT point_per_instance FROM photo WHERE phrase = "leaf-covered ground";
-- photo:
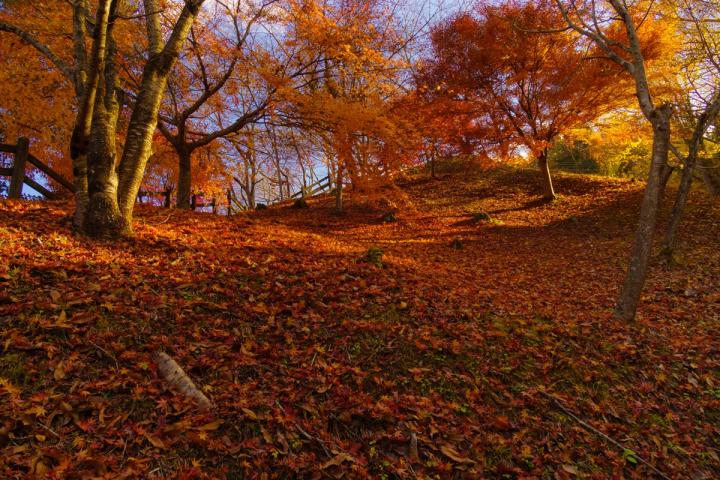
(460, 352)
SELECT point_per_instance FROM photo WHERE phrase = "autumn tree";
(106, 182)
(215, 81)
(353, 101)
(35, 100)
(248, 177)
(518, 84)
(616, 28)
(699, 106)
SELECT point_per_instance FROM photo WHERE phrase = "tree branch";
(41, 47)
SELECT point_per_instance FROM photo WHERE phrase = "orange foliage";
(35, 99)
(508, 81)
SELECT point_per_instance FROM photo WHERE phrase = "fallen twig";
(589, 427)
(305, 434)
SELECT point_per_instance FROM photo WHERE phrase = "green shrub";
(374, 255)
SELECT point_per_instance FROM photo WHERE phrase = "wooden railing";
(317, 187)
(22, 157)
(165, 194)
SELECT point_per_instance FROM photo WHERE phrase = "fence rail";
(314, 189)
(22, 157)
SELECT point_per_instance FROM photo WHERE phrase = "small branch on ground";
(590, 428)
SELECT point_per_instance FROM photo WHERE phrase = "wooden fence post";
(167, 194)
(18, 173)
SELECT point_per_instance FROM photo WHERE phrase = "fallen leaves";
(429, 365)
(454, 455)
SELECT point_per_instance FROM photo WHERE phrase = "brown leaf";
(155, 441)
(337, 460)
(454, 455)
(59, 373)
(211, 426)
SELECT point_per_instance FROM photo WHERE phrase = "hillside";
(474, 346)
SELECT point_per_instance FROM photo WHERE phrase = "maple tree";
(353, 101)
(518, 81)
(206, 86)
(34, 104)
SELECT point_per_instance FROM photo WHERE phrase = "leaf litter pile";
(470, 337)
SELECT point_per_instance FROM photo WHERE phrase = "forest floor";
(475, 346)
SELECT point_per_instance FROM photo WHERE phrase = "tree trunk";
(103, 217)
(629, 297)
(432, 165)
(545, 177)
(339, 189)
(678, 207)
(86, 88)
(712, 183)
(138, 143)
(184, 178)
(280, 181)
(706, 118)
(251, 193)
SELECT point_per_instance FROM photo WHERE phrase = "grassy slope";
(321, 364)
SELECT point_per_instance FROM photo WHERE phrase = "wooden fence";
(317, 187)
(22, 156)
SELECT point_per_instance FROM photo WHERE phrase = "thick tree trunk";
(642, 248)
(184, 178)
(545, 177)
(103, 217)
(80, 181)
(86, 88)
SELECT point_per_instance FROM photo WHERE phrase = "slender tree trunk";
(678, 207)
(432, 165)
(84, 118)
(252, 182)
(629, 298)
(545, 177)
(279, 179)
(339, 188)
(138, 143)
(711, 183)
(184, 178)
(706, 118)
